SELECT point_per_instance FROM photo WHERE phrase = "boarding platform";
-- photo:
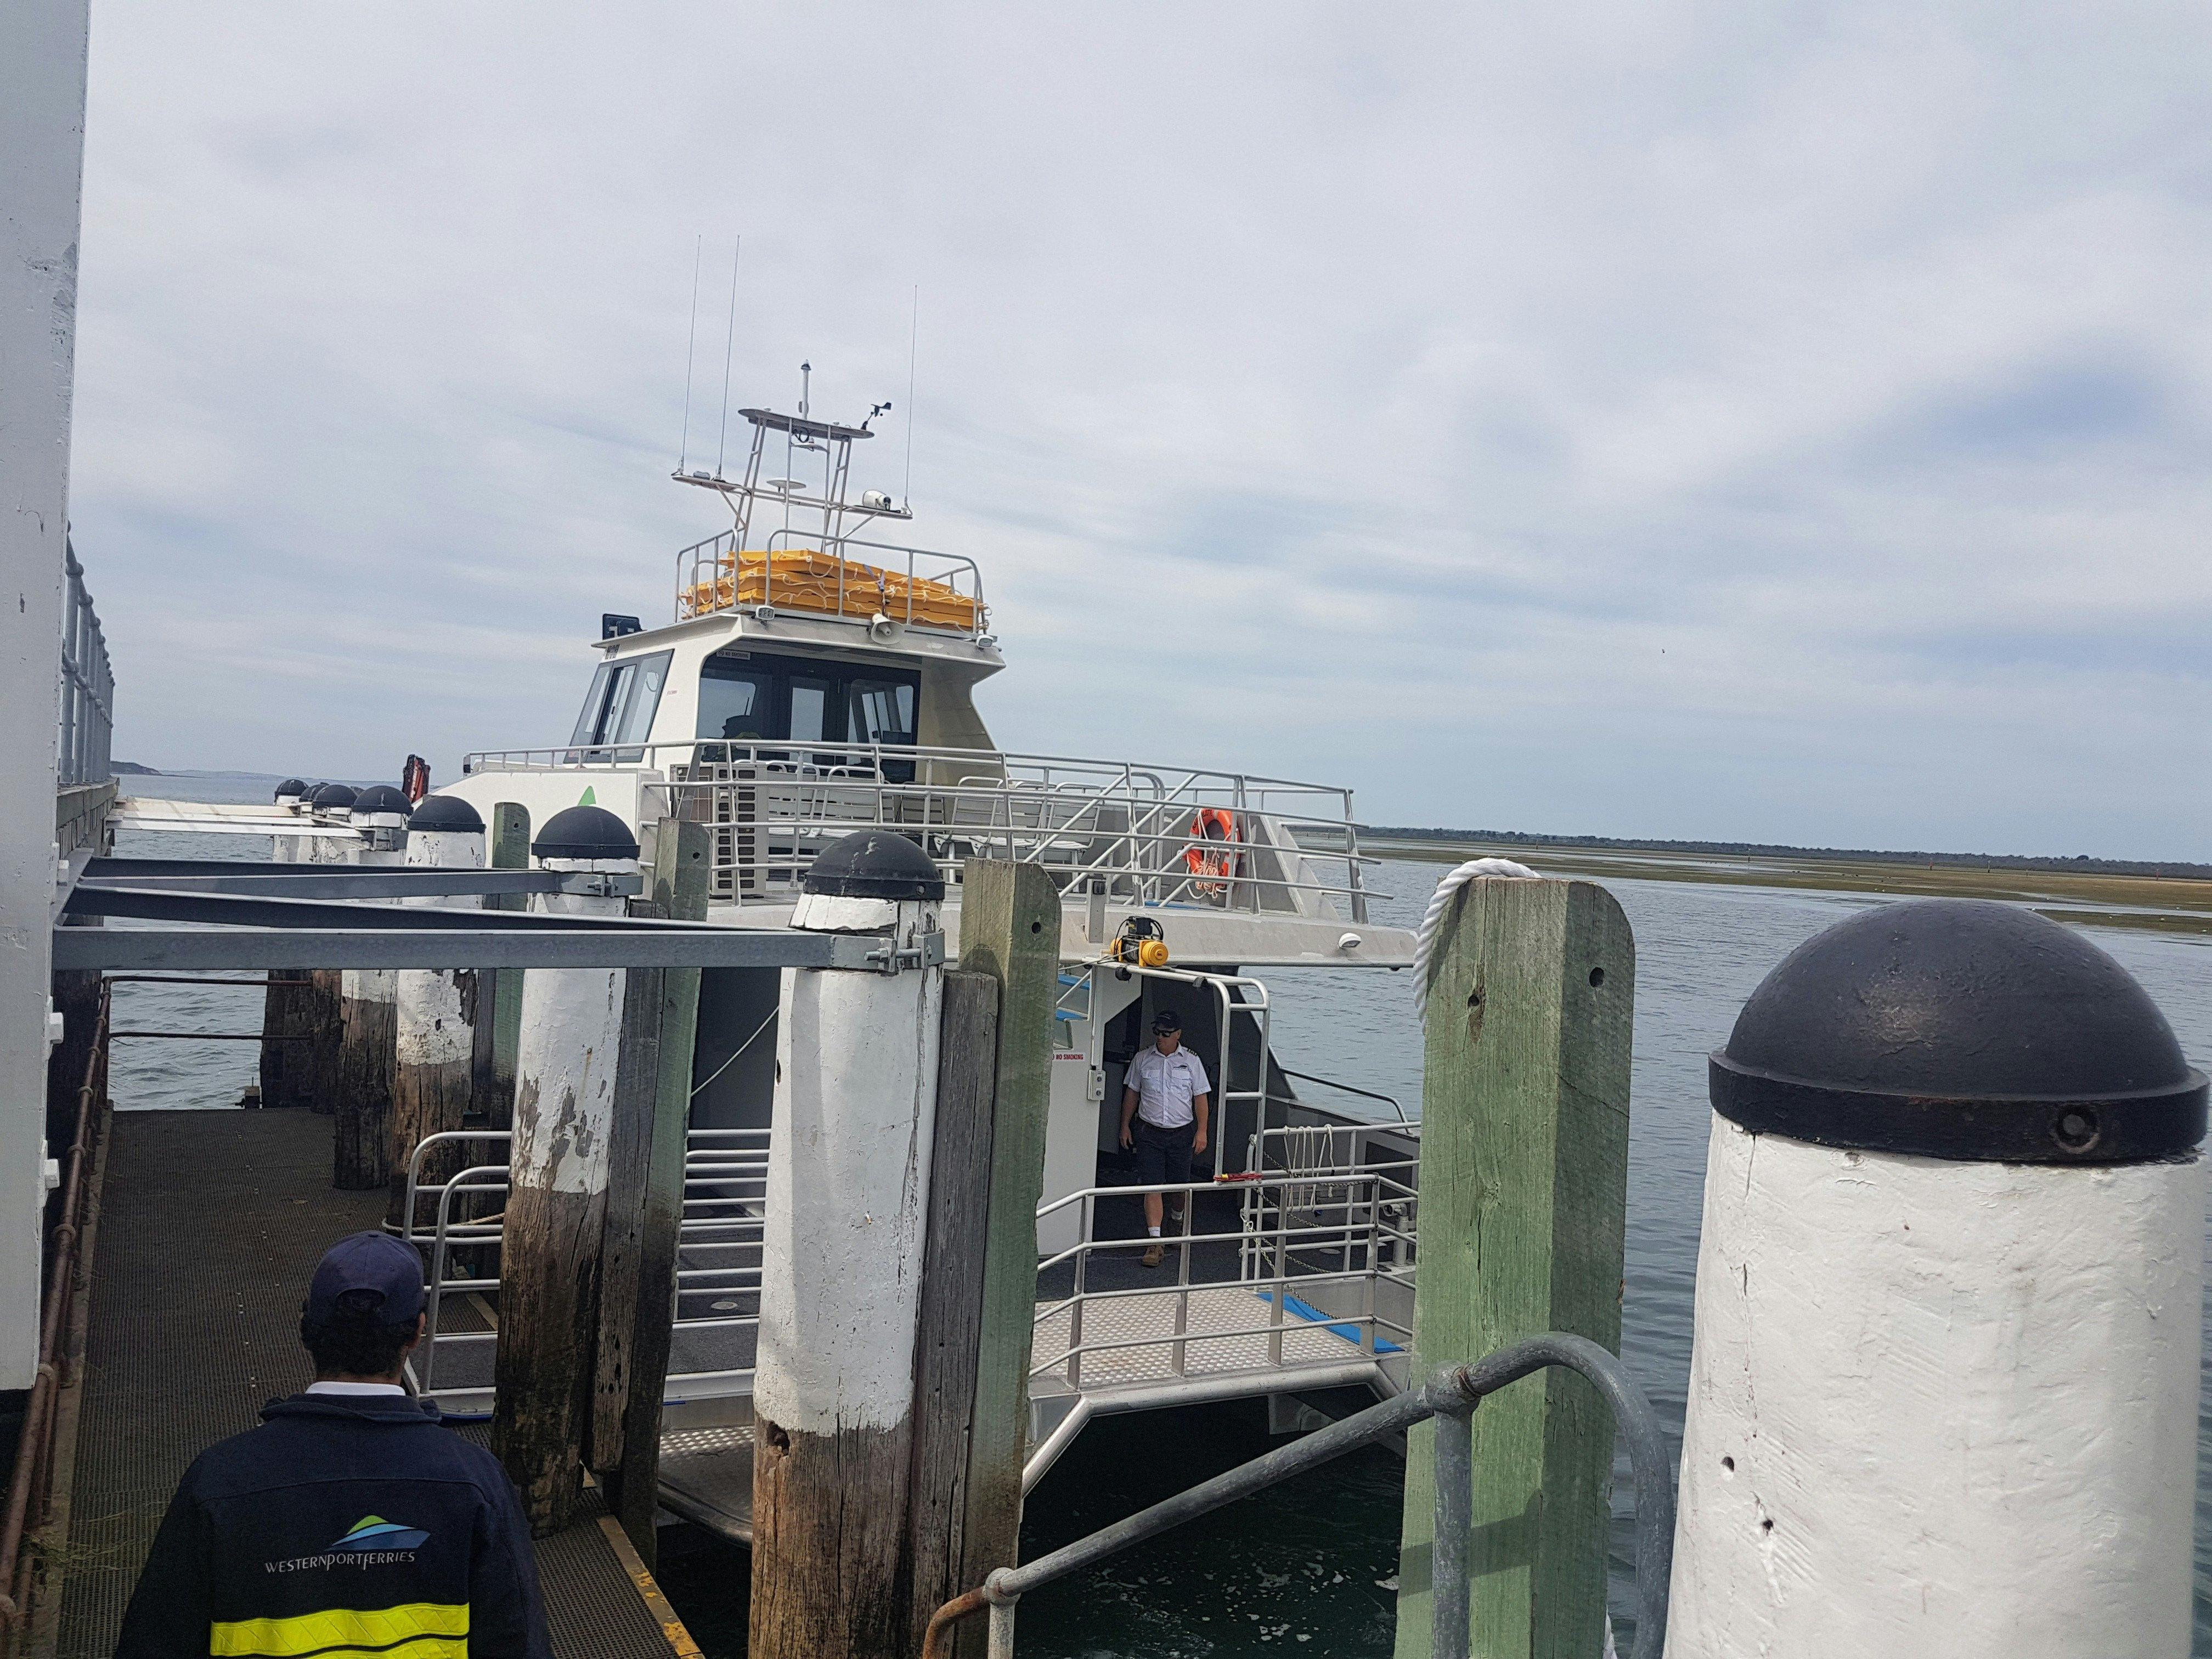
(207, 1223)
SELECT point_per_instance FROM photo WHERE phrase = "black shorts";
(1162, 1155)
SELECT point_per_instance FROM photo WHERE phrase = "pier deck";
(208, 1224)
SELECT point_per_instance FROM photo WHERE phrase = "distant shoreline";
(1377, 835)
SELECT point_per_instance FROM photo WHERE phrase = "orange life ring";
(1208, 857)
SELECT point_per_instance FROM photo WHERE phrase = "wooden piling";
(841, 1267)
(1523, 1194)
(498, 990)
(644, 1195)
(566, 1068)
(369, 1024)
(979, 1284)
(287, 1068)
(435, 1014)
(319, 1008)
(361, 1128)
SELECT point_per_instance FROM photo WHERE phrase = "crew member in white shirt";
(1164, 1111)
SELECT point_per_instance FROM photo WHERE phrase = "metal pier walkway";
(208, 1224)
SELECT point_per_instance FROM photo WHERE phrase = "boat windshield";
(624, 695)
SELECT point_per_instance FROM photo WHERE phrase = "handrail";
(1391, 1101)
(1451, 1395)
(33, 1472)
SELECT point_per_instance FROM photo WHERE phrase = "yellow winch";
(1138, 945)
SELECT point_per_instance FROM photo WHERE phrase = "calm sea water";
(1309, 1567)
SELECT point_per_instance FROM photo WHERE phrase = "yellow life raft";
(804, 579)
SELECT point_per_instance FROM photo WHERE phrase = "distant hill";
(132, 770)
(2081, 863)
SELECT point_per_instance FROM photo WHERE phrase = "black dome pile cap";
(291, 786)
(585, 832)
(447, 815)
(381, 798)
(331, 796)
(1959, 1029)
(875, 864)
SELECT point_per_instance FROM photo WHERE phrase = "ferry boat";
(819, 676)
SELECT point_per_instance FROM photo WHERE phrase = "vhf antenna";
(913, 335)
(690, 352)
(728, 340)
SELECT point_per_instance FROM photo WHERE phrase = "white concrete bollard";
(361, 1136)
(847, 1190)
(291, 798)
(1943, 1389)
(564, 1087)
(436, 1011)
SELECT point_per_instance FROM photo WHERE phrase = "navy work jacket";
(345, 1526)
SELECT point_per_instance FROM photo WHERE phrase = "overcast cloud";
(1773, 422)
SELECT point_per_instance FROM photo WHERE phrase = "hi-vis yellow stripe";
(422, 1630)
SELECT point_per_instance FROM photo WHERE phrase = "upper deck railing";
(864, 582)
(1120, 831)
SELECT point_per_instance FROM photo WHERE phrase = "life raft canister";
(1208, 858)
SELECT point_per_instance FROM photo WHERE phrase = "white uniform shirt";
(1164, 1085)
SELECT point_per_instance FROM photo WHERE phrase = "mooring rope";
(1474, 870)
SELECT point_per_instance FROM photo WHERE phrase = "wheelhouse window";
(882, 711)
(735, 701)
(624, 695)
(760, 698)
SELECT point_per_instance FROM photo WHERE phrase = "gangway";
(1283, 1283)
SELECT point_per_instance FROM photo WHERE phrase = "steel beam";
(136, 950)
(346, 881)
(239, 910)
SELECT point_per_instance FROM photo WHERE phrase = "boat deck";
(208, 1224)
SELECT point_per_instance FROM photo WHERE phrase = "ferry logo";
(374, 1531)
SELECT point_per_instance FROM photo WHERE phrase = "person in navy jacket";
(351, 1523)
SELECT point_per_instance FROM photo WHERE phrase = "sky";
(1780, 423)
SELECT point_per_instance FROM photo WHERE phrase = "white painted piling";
(557, 1169)
(361, 1143)
(1943, 1391)
(841, 1270)
(435, 1012)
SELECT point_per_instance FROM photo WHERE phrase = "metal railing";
(1397, 1111)
(1312, 1258)
(31, 1485)
(1450, 1395)
(1285, 1258)
(86, 715)
(711, 575)
(719, 1244)
(1325, 1171)
(1131, 832)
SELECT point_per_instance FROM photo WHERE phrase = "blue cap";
(366, 1274)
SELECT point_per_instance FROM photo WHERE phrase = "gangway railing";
(1451, 1396)
(718, 1246)
(1324, 1169)
(1133, 831)
(1316, 1281)
(1114, 1336)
